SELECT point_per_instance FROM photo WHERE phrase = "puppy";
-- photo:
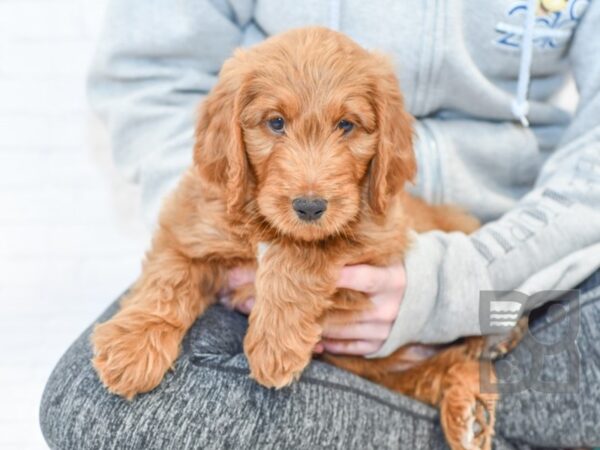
(304, 145)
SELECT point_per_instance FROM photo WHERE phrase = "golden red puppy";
(304, 145)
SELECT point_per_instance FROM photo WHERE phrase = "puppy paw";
(468, 419)
(272, 363)
(132, 353)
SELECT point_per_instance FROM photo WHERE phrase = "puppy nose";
(309, 208)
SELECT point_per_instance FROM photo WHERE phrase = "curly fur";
(238, 193)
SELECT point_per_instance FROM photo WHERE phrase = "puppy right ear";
(219, 152)
(394, 163)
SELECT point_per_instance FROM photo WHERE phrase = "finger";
(240, 276)
(246, 306)
(358, 331)
(384, 308)
(364, 278)
(352, 347)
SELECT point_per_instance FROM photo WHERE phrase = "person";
(479, 81)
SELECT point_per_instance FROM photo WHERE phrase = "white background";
(71, 237)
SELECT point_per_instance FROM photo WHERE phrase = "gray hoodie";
(464, 68)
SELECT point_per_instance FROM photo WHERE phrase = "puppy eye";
(276, 125)
(345, 126)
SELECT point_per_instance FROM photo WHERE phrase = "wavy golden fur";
(239, 192)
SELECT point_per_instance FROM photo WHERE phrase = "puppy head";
(310, 125)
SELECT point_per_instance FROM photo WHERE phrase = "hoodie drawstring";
(520, 105)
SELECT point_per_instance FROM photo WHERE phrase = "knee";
(64, 397)
(68, 391)
(76, 411)
(50, 405)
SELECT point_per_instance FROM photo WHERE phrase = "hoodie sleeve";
(549, 240)
(154, 63)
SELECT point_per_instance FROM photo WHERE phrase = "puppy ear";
(219, 152)
(394, 162)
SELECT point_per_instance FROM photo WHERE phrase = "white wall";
(70, 234)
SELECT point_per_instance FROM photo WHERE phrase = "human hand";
(384, 285)
(369, 329)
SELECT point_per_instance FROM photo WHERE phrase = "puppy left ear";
(394, 163)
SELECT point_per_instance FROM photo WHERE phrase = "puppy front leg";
(284, 325)
(134, 349)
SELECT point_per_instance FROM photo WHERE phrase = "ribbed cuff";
(421, 265)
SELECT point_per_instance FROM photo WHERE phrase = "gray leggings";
(209, 402)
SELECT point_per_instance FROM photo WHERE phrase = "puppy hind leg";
(451, 218)
(467, 414)
(428, 217)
